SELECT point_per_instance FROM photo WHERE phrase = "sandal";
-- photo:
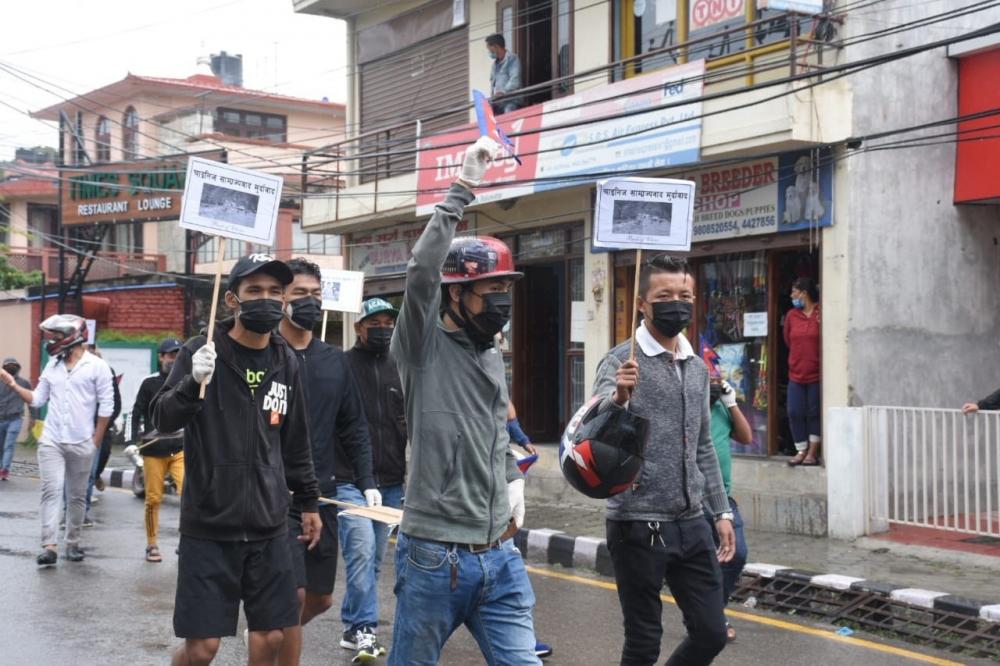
(153, 554)
(807, 462)
(797, 459)
(730, 633)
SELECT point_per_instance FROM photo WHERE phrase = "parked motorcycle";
(134, 453)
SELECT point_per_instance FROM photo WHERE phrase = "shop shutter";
(417, 82)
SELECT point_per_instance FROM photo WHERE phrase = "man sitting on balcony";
(505, 75)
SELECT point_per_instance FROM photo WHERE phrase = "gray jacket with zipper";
(456, 404)
(680, 468)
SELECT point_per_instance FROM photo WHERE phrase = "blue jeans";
(9, 431)
(362, 544)
(803, 413)
(440, 587)
(732, 569)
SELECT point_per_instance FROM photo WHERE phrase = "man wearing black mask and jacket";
(382, 395)
(340, 448)
(246, 445)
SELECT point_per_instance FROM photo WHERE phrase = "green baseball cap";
(374, 306)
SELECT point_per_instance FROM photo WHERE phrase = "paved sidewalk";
(884, 563)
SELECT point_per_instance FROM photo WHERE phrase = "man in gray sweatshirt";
(455, 560)
(656, 530)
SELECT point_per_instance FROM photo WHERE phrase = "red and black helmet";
(63, 331)
(601, 451)
(472, 258)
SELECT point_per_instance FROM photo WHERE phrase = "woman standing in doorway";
(802, 335)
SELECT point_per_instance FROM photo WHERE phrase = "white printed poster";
(224, 200)
(343, 291)
(644, 213)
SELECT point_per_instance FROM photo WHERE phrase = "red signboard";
(440, 161)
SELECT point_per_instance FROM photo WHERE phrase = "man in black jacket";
(340, 445)
(990, 402)
(246, 445)
(382, 394)
(162, 453)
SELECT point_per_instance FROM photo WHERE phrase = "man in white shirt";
(75, 384)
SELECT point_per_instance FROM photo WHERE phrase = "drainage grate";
(876, 613)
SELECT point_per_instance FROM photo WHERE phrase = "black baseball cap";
(259, 262)
(169, 346)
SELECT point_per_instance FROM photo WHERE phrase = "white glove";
(478, 158)
(728, 395)
(203, 363)
(373, 497)
(515, 495)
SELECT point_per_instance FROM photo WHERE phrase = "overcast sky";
(84, 45)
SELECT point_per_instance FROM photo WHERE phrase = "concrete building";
(754, 105)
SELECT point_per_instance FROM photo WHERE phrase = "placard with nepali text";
(644, 214)
(225, 200)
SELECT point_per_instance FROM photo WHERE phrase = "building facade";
(766, 111)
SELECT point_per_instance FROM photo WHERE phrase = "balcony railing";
(107, 265)
(391, 151)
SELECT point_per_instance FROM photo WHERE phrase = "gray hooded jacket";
(456, 404)
(680, 468)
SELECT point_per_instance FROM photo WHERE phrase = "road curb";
(547, 546)
(118, 478)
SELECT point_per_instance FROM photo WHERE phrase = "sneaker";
(380, 649)
(542, 650)
(347, 640)
(95, 499)
(367, 650)
(87, 522)
(4, 474)
(74, 553)
(48, 558)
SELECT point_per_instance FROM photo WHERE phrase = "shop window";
(79, 145)
(43, 224)
(251, 125)
(130, 134)
(733, 333)
(102, 137)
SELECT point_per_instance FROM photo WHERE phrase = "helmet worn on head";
(601, 452)
(472, 258)
(62, 332)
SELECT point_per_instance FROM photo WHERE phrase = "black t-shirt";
(253, 363)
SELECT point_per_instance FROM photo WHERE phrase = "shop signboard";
(667, 135)
(645, 122)
(439, 161)
(139, 191)
(736, 199)
(386, 251)
(709, 13)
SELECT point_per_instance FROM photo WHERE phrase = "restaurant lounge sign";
(124, 192)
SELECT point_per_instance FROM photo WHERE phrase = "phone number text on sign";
(706, 13)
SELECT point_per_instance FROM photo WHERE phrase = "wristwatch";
(726, 515)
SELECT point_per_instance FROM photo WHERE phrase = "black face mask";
(12, 370)
(261, 315)
(714, 393)
(304, 312)
(671, 317)
(379, 338)
(483, 327)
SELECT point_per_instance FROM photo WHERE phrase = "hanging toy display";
(760, 394)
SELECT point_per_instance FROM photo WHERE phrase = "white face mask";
(492, 55)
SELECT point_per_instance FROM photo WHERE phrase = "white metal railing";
(934, 468)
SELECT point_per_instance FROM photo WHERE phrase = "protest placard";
(644, 214)
(225, 201)
(343, 291)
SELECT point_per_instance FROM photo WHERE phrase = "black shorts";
(213, 577)
(315, 569)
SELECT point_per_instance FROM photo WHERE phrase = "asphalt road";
(114, 608)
